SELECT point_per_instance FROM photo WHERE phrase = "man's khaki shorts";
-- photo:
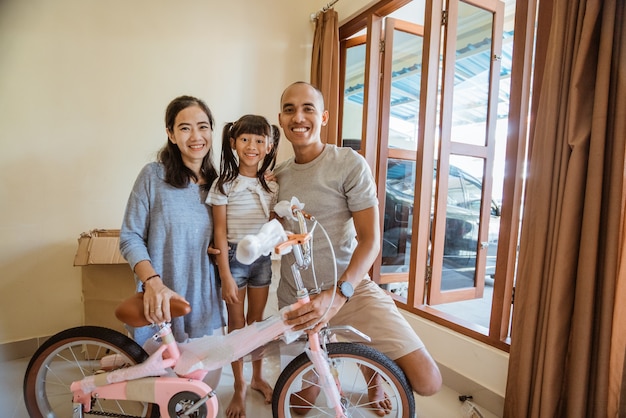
(374, 313)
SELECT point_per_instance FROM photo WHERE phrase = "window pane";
(461, 240)
(353, 97)
(404, 78)
(398, 218)
(462, 224)
(471, 75)
(405, 88)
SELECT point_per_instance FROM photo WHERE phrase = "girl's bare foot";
(260, 385)
(379, 400)
(237, 406)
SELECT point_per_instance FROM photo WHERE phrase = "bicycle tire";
(347, 358)
(71, 355)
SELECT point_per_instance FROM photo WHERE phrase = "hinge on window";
(513, 295)
(444, 17)
(429, 275)
(381, 46)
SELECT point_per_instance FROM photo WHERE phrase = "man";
(337, 187)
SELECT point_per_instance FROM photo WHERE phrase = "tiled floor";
(445, 404)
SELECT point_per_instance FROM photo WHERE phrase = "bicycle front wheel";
(71, 355)
(360, 370)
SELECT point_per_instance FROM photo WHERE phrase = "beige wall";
(83, 88)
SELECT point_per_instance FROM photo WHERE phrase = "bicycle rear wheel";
(71, 355)
(349, 360)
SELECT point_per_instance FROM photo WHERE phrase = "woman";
(167, 227)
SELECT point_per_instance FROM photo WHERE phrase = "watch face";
(346, 289)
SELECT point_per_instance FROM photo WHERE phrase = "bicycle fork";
(327, 379)
(318, 356)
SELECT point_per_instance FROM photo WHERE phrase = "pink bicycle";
(97, 371)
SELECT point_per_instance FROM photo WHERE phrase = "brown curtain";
(617, 368)
(325, 69)
(562, 351)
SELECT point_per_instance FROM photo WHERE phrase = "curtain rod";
(322, 10)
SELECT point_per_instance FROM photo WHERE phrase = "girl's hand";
(230, 291)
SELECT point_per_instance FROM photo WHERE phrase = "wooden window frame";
(372, 19)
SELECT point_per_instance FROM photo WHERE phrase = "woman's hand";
(211, 251)
(156, 301)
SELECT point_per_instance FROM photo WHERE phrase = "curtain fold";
(617, 376)
(617, 368)
(566, 287)
(325, 69)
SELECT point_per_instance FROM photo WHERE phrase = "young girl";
(242, 201)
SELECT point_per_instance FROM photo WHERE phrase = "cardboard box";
(99, 246)
(106, 277)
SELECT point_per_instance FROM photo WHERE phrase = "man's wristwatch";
(345, 289)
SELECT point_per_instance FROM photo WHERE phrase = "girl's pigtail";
(269, 162)
(228, 165)
(274, 152)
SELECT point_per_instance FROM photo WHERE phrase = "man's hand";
(310, 314)
(270, 176)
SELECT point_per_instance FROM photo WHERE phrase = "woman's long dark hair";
(176, 172)
(252, 125)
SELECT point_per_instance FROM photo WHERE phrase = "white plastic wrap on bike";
(320, 361)
(215, 351)
(290, 336)
(155, 365)
(284, 209)
(252, 247)
(112, 361)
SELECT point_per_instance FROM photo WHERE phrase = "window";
(425, 99)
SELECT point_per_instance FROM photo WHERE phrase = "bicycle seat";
(130, 311)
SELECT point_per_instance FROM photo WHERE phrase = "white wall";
(83, 89)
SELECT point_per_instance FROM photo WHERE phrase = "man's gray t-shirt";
(335, 184)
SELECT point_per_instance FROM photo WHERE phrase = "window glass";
(353, 97)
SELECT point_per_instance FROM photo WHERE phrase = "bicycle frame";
(146, 382)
